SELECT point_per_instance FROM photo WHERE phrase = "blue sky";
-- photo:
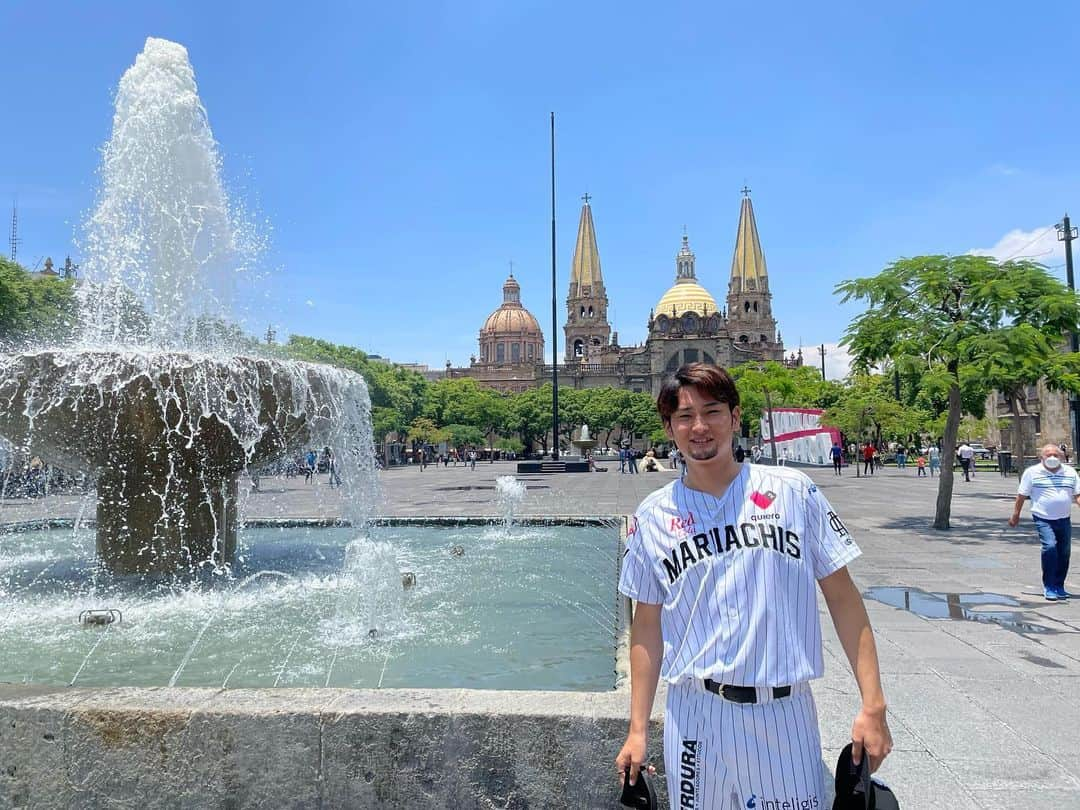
(399, 152)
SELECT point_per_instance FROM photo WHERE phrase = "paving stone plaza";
(983, 705)
(984, 710)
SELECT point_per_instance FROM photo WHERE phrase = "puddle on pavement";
(468, 487)
(957, 606)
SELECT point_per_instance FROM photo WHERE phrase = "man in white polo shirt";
(1053, 486)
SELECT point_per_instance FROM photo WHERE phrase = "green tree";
(964, 314)
(763, 387)
(423, 431)
(463, 435)
(34, 310)
(600, 411)
(397, 394)
(529, 414)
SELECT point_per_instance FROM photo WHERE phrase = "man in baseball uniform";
(722, 565)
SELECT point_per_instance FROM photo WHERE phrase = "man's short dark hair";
(713, 381)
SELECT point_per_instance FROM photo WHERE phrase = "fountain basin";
(524, 607)
(166, 435)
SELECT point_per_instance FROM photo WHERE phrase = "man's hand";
(1014, 520)
(632, 756)
(870, 731)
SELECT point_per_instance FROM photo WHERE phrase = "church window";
(746, 305)
(690, 322)
(662, 323)
(764, 338)
(673, 362)
(708, 358)
(579, 348)
(744, 339)
(583, 312)
(755, 306)
(500, 352)
(483, 353)
(515, 352)
(532, 347)
(690, 356)
(590, 312)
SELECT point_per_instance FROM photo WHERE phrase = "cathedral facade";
(686, 325)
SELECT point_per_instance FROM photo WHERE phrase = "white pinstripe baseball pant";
(721, 755)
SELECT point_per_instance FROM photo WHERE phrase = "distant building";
(687, 324)
(68, 271)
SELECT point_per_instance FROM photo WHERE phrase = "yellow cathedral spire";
(748, 271)
(585, 269)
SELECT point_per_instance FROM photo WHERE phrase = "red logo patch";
(683, 524)
(631, 530)
(763, 500)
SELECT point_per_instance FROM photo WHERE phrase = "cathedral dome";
(511, 334)
(686, 295)
(511, 317)
(507, 319)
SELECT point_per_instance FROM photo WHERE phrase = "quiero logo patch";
(763, 500)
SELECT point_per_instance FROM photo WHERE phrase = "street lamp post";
(1066, 233)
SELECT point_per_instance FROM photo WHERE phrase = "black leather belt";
(742, 694)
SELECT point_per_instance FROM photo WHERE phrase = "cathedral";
(686, 325)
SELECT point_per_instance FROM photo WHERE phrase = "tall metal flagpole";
(554, 321)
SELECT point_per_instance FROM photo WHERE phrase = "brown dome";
(511, 334)
(511, 319)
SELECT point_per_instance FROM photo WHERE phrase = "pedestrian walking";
(704, 555)
(335, 479)
(622, 460)
(920, 466)
(901, 457)
(933, 457)
(837, 455)
(868, 459)
(966, 454)
(631, 460)
(1053, 487)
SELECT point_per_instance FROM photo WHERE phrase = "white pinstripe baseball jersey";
(737, 575)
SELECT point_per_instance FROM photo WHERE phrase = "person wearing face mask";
(1053, 487)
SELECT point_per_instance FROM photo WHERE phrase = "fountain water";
(153, 402)
(509, 493)
(159, 408)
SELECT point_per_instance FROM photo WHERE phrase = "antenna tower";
(13, 240)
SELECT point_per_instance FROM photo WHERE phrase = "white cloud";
(837, 361)
(1040, 245)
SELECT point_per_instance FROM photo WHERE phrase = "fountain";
(153, 402)
(164, 409)
(584, 442)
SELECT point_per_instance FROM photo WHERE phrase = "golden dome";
(686, 295)
(511, 319)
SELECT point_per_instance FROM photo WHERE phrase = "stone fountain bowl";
(165, 435)
(92, 410)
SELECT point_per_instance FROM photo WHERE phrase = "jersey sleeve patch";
(831, 544)
(638, 578)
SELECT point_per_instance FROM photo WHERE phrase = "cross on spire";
(745, 190)
(586, 197)
(511, 268)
